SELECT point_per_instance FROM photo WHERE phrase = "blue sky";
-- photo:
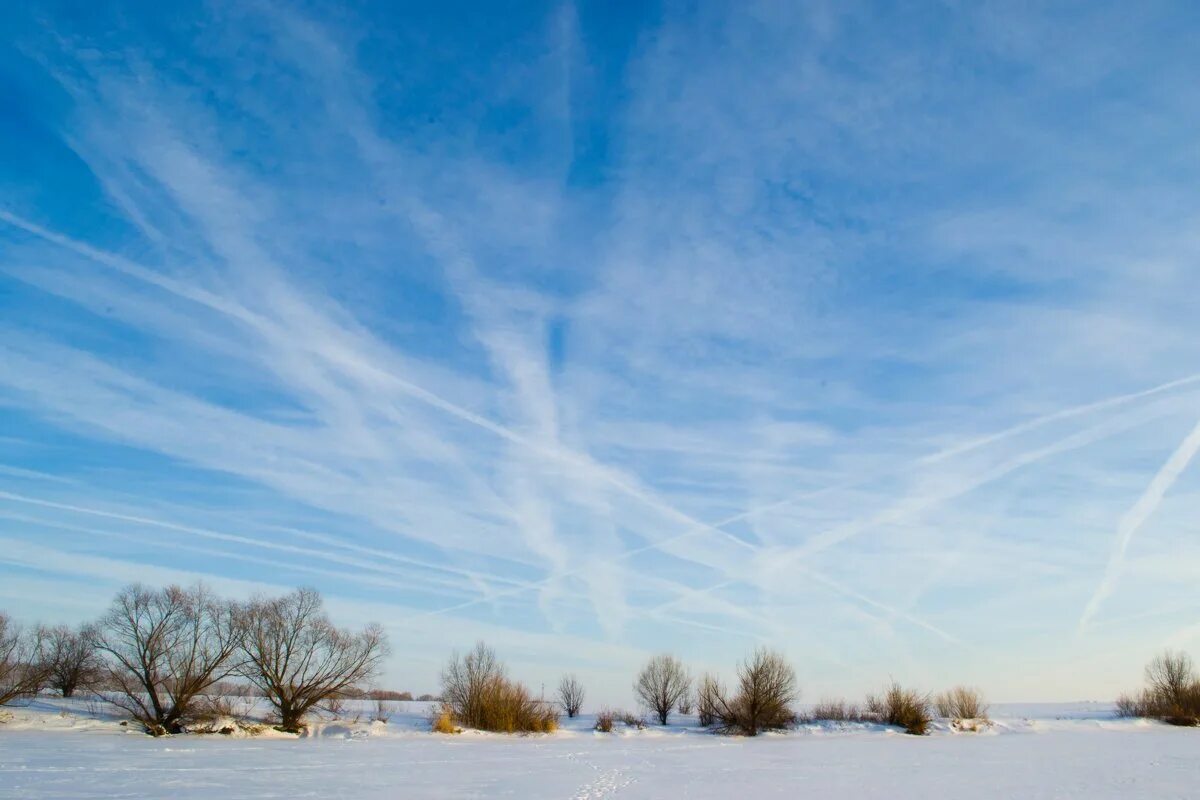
(600, 329)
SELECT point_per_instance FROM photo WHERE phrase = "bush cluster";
(1172, 694)
(766, 689)
(477, 693)
(836, 711)
(961, 703)
(607, 719)
(904, 708)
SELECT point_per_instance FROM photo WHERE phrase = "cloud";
(825, 326)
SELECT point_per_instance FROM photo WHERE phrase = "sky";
(594, 330)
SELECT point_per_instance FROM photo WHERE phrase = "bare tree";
(660, 685)
(709, 694)
(298, 658)
(570, 695)
(166, 647)
(466, 681)
(23, 665)
(73, 659)
(766, 691)
(1170, 675)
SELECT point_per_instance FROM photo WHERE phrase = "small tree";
(708, 695)
(298, 658)
(660, 685)
(465, 682)
(23, 664)
(73, 659)
(766, 691)
(570, 695)
(167, 646)
(1170, 675)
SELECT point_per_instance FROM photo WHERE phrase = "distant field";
(57, 749)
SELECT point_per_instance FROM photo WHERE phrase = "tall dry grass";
(904, 708)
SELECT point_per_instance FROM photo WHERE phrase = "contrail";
(1143, 509)
(245, 540)
(1136, 516)
(914, 505)
(843, 532)
(364, 367)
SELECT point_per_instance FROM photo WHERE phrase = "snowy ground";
(58, 749)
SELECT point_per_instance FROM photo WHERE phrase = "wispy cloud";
(840, 329)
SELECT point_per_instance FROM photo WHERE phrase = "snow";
(78, 749)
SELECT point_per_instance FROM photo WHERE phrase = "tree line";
(158, 651)
(477, 692)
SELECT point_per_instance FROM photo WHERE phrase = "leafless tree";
(709, 694)
(570, 695)
(660, 685)
(466, 681)
(766, 691)
(166, 647)
(1170, 675)
(73, 658)
(298, 658)
(23, 664)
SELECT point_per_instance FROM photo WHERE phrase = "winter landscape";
(599, 399)
(55, 749)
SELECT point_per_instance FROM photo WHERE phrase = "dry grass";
(904, 708)
(442, 722)
(836, 711)
(507, 707)
(607, 720)
(478, 694)
(961, 703)
(383, 711)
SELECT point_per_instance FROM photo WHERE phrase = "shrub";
(708, 692)
(167, 647)
(383, 711)
(836, 711)
(607, 719)
(961, 703)
(570, 695)
(1130, 706)
(631, 720)
(904, 708)
(660, 685)
(477, 693)
(1173, 694)
(293, 653)
(766, 691)
(442, 723)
